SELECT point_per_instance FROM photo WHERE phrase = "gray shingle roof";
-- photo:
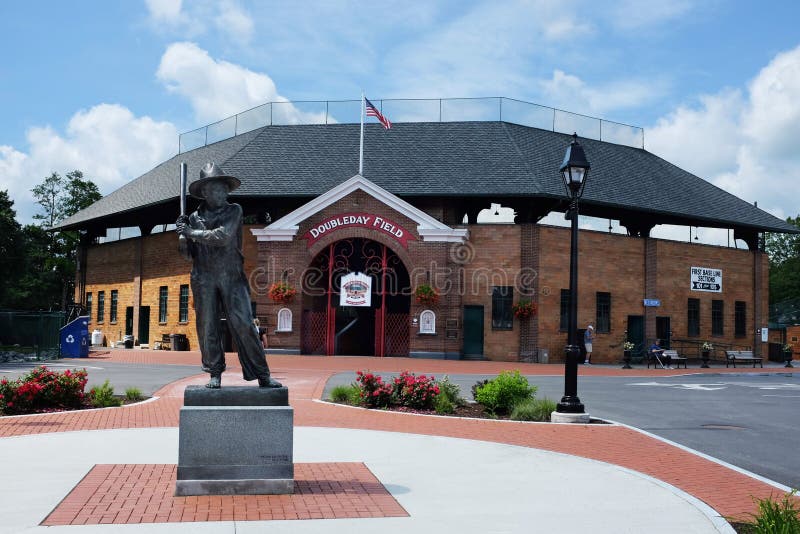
(460, 159)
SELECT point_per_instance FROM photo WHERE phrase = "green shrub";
(443, 405)
(103, 396)
(476, 386)
(346, 394)
(451, 391)
(133, 394)
(777, 517)
(533, 410)
(502, 393)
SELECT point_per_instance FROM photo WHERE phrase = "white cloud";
(107, 142)
(486, 49)
(164, 10)
(232, 19)
(567, 91)
(197, 17)
(703, 140)
(743, 143)
(218, 89)
(635, 14)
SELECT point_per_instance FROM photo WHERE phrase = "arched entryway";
(335, 328)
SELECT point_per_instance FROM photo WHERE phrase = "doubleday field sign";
(706, 279)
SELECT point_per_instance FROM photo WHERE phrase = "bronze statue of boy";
(212, 238)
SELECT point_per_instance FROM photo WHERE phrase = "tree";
(784, 264)
(53, 256)
(9, 246)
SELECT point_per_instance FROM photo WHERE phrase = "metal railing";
(485, 109)
(30, 334)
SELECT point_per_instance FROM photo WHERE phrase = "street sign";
(652, 302)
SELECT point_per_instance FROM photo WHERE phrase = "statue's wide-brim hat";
(209, 173)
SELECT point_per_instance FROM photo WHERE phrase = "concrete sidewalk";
(445, 473)
(444, 484)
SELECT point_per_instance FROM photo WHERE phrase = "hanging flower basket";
(282, 293)
(524, 309)
(426, 295)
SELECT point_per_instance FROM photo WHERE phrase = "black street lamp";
(575, 170)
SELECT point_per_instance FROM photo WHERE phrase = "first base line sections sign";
(706, 279)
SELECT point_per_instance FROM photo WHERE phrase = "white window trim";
(284, 311)
(422, 329)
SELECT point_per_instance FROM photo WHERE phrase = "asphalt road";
(751, 421)
(147, 378)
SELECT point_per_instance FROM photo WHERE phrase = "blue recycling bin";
(74, 338)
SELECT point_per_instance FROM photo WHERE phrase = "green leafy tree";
(784, 264)
(52, 255)
(10, 237)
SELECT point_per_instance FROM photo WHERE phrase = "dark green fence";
(31, 333)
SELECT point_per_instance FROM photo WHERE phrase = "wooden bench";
(741, 356)
(673, 356)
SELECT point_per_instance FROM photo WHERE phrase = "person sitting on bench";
(658, 353)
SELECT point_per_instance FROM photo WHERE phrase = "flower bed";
(42, 390)
(508, 396)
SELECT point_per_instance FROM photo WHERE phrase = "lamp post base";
(561, 417)
(571, 405)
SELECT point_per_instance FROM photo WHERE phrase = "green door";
(144, 325)
(129, 321)
(473, 330)
(636, 333)
(663, 331)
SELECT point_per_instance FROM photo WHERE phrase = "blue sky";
(107, 86)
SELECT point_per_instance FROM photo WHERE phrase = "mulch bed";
(85, 406)
(471, 409)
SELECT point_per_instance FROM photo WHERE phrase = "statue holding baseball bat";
(212, 238)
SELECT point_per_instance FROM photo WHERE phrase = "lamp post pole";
(575, 170)
(570, 403)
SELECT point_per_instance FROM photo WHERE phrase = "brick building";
(411, 222)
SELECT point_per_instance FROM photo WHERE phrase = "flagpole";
(361, 146)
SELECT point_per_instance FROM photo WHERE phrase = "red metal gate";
(382, 264)
(396, 336)
(314, 328)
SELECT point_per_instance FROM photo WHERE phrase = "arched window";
(427, 322)
(284, 320)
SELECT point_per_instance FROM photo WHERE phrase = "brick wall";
(608, 263)
(496, 255)
(496, 261)
(115, 266)
(739, 283)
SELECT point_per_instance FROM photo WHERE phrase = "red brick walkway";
(730, 493)
(141, 493)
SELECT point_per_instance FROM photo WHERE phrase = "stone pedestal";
(235, 441)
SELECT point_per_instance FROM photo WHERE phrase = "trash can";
(74, 338)
(97, 337)
(128, 341)
(544, 356)
(179, 341)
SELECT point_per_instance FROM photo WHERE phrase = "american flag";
(372, 111)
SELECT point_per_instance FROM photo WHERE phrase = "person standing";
(212, 238)
(588, 338)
